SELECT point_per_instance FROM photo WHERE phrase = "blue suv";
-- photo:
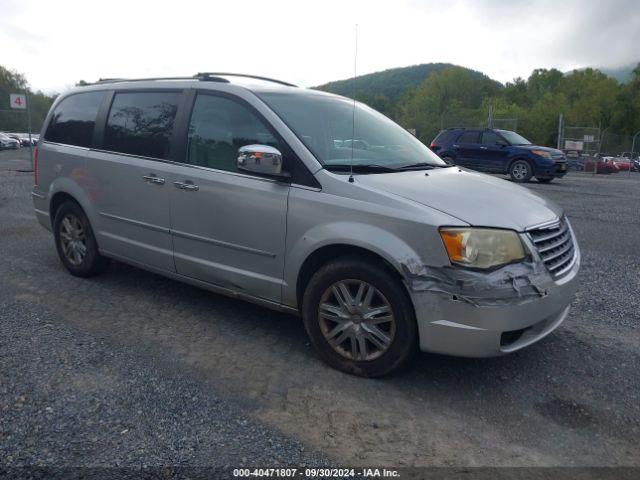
(499, 151)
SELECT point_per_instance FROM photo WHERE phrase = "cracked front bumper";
(451, 326)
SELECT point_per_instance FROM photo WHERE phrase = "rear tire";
(76, 243)
(521, 171)
(359, 317)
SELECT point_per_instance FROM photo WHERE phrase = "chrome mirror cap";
(260, 159)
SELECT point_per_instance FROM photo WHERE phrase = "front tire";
(359, 317)
(76, 243)
(520, 171)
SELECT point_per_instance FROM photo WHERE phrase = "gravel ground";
(571, 400)
(68, 398)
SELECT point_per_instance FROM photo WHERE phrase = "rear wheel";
(359, 317)
(544, 179)
(521, 171)
(75, 242)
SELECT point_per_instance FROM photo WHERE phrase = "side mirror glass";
(261, 160)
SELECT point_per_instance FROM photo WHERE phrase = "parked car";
(623, 163)
(602, 166)
(19, 138)
(240, 188)
(499, 151)
(6, 142)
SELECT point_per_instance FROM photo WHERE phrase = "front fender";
(374, 239)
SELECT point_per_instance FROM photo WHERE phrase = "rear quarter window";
(74, 119)
(469, 136)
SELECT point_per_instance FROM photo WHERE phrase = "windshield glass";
(514, 138)
(325, 125)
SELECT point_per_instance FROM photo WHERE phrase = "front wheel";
(359, 317)
(521, 171)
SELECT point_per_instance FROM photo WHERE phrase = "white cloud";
(56, 43)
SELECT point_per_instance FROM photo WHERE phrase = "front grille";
(555, 246)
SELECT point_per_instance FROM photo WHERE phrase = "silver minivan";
(308, 203)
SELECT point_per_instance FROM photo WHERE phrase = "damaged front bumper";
(478, 314)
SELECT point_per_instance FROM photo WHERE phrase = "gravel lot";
(131, 368)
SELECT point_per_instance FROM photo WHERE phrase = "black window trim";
(300, 174)
(52, 110)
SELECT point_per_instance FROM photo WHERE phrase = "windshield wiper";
(360, 168)
(423, 166)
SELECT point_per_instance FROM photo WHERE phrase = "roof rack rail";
(212, 75)
(114, 80)
(202, 76)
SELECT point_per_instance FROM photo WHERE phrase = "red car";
(602, 166)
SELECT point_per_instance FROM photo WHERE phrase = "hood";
(477, 199)
(553, 151)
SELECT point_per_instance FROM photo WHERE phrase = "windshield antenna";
(353, 114)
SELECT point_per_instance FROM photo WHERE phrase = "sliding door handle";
(154, 179)
(188, 185)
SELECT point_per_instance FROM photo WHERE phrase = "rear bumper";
(455, 327)
(41, 207)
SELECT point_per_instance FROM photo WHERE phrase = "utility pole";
(26, 96)
(633, 146)
(560, 119)
(490, 119)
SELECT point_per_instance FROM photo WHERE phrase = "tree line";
(449, 96)
(16, 120)
(456, 96)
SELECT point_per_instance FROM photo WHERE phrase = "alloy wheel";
(356, 319)
(73, 239)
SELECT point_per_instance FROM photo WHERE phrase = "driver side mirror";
(502, 143)
(261, 160)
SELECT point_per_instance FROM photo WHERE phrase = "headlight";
(482, 247)
(541, 153)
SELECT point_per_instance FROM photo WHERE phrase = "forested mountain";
(431, 97)
(390, 83)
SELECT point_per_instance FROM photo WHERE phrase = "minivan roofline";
(201, 76)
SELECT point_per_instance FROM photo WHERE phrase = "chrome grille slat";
(555, 246)
(561, 240)
(549, 236)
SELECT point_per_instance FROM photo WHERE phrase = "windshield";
(325, 124)
(514, 138)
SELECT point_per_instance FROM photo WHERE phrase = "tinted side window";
(491, 138)
(219, 126)
(470, 136)
(444, 137)
(141, 123)
(74, 119)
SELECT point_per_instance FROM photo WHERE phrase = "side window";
(141, 123)
(74, 119)
(469, 136)
(219, 126)
(491, 138)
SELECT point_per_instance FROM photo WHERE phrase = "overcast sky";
(55, 43)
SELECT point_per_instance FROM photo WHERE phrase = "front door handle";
(152, 178)
(484, 148)
(188, 185)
